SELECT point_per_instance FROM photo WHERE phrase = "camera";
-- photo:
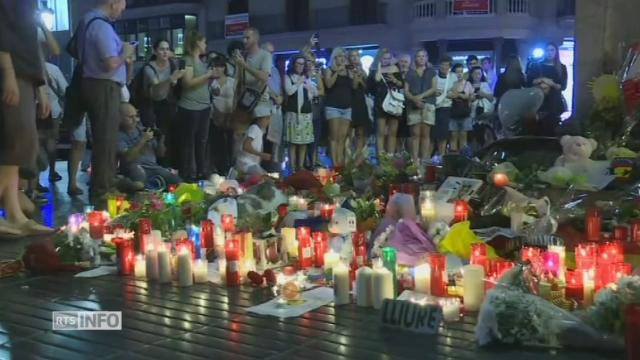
(156, 132)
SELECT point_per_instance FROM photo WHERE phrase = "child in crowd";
(251, 152)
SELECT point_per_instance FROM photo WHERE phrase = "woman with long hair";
(161, 74)
(360, 120)
(385, 77)
(551, 76)
(300, 92)
(338, 80)
(314, 74)
(512, 77)
(194, 108)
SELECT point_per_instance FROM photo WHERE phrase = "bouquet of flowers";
(607, 312)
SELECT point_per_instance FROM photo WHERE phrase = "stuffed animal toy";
(576, 149)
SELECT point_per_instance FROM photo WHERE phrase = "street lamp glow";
(538, 53)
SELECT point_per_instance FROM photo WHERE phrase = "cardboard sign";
(411, 316)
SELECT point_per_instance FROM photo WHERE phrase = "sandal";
(75, 192)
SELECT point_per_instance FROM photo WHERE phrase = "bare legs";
(297, 155)
(9, 193)
(361, 138)
(75, 157)
(458, 140)
(414, 142)
(338, 132)
(387, 134)
(426, 148)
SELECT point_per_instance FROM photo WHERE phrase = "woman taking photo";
(317, 106)
(338, 83)
(551, 76)
(160, 76)
(298, 112)
(360, 120)
(386, 76)
(194, 109)
(222, 90)
(421, 106)
(482, 104)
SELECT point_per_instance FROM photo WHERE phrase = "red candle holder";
(228, 223)
(502, 266)
(430, 174)
(320, 246)
(172, 188)
(574, 285)
(622, 270)
(593, 224)
(635, 231)
(632, 331)
(460, 211)
(479, 256)
(125, 256)
(586, 256)
(551, 262)
(327, 211)
(531, 254)
(144, 228)
(394, 189)
(232, 255)
(207, 234)
(305, 247)
(621, 233)
(359, 241)
(96, 224)
(439, 279)
(188, 245)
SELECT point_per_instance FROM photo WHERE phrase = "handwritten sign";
(411, 316)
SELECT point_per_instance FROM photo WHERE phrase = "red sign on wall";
(475, 6)
(235, 25)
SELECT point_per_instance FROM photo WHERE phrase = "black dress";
(554, 103)
(359, 111)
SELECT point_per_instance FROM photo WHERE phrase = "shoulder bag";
(393, 103)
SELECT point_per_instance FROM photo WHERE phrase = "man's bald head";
(128, 116)
(113, 8)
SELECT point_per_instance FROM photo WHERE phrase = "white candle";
(140, 269)
(290, 242)
(560, 250)
(185, 271)
(107, 238)
(422, 278)
(473, 284)
(450, 309)
(364, 286)
(588, 285)
(381, 285)
(200, 271)
(331, 258)
(157, 238)
(341, 284)
(147, 240)
(151, 258)
(262, 253)
(222, 269)
(248, 246)
(164, 265)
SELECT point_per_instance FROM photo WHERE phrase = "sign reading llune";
(411, 316)
(87, 320)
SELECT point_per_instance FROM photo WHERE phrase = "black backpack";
(139, 95)
(74, 105)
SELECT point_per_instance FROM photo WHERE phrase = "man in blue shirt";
(138, 150)
(104, 57)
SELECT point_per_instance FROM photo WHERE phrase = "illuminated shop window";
(55, 14)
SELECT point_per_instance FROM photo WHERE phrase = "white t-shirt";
(56, 85)
(224, 102)
(246, 160)
(444, 85)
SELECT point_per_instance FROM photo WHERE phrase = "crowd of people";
(235, 112)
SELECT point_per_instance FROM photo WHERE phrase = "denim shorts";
(335, 113)
(461, 124)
